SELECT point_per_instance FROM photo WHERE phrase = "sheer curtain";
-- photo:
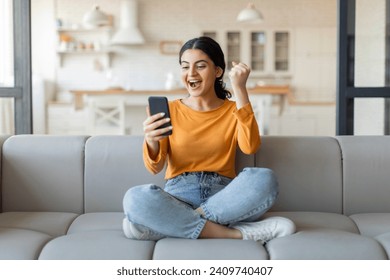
(6, 66)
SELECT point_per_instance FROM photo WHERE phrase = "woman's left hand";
(239, 75)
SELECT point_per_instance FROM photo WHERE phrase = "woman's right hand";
(153, 134)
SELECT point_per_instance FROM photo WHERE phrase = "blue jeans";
(171, 211)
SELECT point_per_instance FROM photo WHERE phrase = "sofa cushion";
(21, 244)
(208, 249)
(308, 170)
(325, 244)
(384, 240)
(97, 222)
(366, 173)
(325, 233)
(53, 224)
(243, 160)
(43, 173)
(372, 224)
(97, 245)
(315, 220)
(113, 164)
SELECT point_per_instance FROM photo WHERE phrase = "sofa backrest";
(346, 174)
(366, 173)
(243, 160)
(113, 164)
(43, 173)
(308, 170)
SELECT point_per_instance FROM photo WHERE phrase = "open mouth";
(194, 83)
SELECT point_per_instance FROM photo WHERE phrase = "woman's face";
(198, 73)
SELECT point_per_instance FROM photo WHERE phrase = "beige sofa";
(61, 198)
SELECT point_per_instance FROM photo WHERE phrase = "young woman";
(203, 197)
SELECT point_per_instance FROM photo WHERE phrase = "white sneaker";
(266, 229)
(131, 231)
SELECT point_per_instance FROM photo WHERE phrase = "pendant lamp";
(250, 14)
(95, 18)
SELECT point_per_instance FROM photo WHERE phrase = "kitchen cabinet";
(64, 119)
(281, 48)
(84, 41)
(258, 51)
(233, 48)
(266, 51)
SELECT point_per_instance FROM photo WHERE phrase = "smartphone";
(159, 104)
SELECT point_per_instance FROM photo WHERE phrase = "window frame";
(21, 92)
(346, 90)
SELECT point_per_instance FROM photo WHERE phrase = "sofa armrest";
(2, 140)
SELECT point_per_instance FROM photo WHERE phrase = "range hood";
(128, 32)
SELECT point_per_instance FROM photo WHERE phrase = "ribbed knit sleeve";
(248, 135)
(155, 165)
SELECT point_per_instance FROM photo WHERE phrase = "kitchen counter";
(261, 98)
(139, 97)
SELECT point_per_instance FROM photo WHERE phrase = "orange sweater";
(205, 140)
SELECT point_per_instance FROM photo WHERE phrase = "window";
(363, 78)
(15, 57)
(6, 67)
(6, 47)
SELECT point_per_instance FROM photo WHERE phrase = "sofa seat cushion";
(384, 240)
(209, 249)
(97, 245)
(97, 221)
(51, 223)
(21, 244)
(325, 244)
(372, 224)
(313, 220)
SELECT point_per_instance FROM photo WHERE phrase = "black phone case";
(159, 104)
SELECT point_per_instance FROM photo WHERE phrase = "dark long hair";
(215, 53)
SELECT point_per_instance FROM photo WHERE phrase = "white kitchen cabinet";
(64, 119)
(266, 51)
(281, 50)
(233, 48)
(258, 51)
